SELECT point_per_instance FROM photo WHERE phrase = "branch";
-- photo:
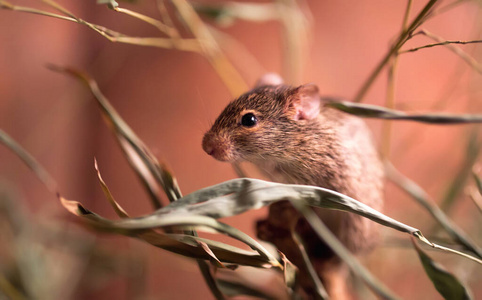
(450, 45)
(440, 44)
(190, 45)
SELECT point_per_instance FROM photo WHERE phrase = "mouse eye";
(249, 120)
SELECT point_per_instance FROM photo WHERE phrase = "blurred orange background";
(170, 98)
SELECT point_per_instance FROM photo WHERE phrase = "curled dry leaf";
(181, 244)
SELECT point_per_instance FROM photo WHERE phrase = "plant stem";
(404, 36)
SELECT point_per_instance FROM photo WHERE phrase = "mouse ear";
(269, 79)
(306, 101)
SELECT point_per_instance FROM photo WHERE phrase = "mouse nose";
(216, 146)
(208, 143)
(208, 148)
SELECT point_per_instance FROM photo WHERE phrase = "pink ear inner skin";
(307, 104)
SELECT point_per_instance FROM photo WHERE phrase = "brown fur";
(332, 150)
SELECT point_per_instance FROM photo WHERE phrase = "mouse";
(293, 137)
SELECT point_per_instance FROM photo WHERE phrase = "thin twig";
(467, 58)
(6, 5)
(439, 247)
(60, 8)
(156, 23)
(440, 44)
(190, 45)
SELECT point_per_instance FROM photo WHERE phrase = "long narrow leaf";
(319, 290)
(446, 283)
(117, 208)
(239, 195)
(378, 112)
(29, 160)
(421, 197)
(458, 183)
(478, 182)
(138, 155)
(329, 238)
(186, 245)
(136, 226)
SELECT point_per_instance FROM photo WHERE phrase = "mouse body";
(292, 137)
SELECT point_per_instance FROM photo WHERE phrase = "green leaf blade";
(444, 282)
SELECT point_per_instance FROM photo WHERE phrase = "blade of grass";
(239, 195)
(476, 198)
(423, 199)
(152, 235)
(463, 174)
(295, 39)
(390, 97)
(320, 291)
(229, 75)
(476, 193)
(478, 181)
(236, 196)
(144, 163)
(9, 289)
(212, 283)
(131, 227)
(248, 194)
(446, 284)
(188, 246)
(224, 252)
(378, 112)
(156, 23)
(118, 209)
(30, 161)
(327, 236)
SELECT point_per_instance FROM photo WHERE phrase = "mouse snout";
(217, 146)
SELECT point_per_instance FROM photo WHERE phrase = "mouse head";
(262, 123)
